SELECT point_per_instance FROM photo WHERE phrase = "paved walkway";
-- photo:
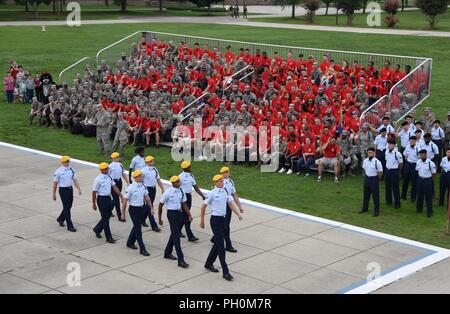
(279, 251)
(240, 22)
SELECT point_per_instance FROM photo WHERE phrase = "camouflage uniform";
(446, 128)
(103, 122)
(121, 137)
(365, 142)
(347, 151)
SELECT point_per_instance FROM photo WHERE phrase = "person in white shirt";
(438, 136)
(101, 195)
(426, 170)
(373, 170)
(404, 133)
(138, 161)
(380, 143)
(151, 178)
(394, 163)
(385, 124)
(175, 200)
(218, 199)
(65, 178)
(117, 173)
(444, 182)
(411, 155)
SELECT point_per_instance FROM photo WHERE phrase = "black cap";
(371, 149)
(428, 135)
(383, 130)
(423, 151)
(413, 137)
(139, 150)
(418, 131)
(392, 142)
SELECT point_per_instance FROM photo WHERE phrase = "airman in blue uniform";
(394, 164)
(426, 170)
(373, 170)
(445, 178)
(117, 173)
(151, 178)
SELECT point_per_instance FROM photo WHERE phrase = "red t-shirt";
(294, 147)
(331, 151)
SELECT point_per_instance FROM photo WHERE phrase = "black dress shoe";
(112, 241)
(72, 230)
(144, 225)
(132, 246)
(231, 250)
(183, 264)
(193, 239)
(362, 211)
(98, 235)
(145, 253)
(182, 235)
(171, 257)
(376, 214)
(61, 224)
(212, 268)
(228, 277)
(156, 229)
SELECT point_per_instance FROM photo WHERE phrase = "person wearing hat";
(101, 196)
(426, 170)
(64, 178)
(431, 148)
(444, 182)
(136, 195)
(117, 173)
(446, 127)
(411, 155)
(373, 170)
(175, 200)
(380, 144)
(218, 199)
(150, 176)
(394, 164)
(188, 184)
(138, 161)
(230, 188)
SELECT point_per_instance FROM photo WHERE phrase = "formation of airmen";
(138, 198)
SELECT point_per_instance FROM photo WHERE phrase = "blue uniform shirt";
(381, 142)
(229, 186)
(187, 181)
(411, 153)
(64, 176)
(393, 159)
(432, 149)
(137, 163)
(116, 170)
(103, 184)
(218, 199)
(425, 168)
(135, 194)
(445, 164)
(173, 198)
(372, 167)
(150, 175)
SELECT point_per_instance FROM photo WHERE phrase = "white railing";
(73, 68)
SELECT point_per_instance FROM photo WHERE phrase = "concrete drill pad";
(278, 252)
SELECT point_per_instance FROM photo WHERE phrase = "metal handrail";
(227, 79)
(71, 66)
(113, 44)
(193, 102)
(372, 106)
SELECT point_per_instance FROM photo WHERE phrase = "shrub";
(391, 20)
(391, 6)
(432, 9)
(311, 6)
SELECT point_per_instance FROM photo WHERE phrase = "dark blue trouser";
(185, 219)
(444, 187)
(10, 96)
(424, 190)
(105, 207)
(371, 188)
(136, 214)
(174, 217)
(410, 176)
(392, 185)
(381, 156)
(66, 195)
(29, 95)
(148, 213)
(116, 199)
(218, 228)
(305, 165)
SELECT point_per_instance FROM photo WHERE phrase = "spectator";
(8, 81)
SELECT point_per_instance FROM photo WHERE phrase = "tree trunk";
(209, 8)
(160, 5)
(107, 3)
(337, 16)
(432, 21)
(123, 6)
(403, 5)
(26, 6)
(54, 6)
(350, 19)
(326, 10)
(293, 11)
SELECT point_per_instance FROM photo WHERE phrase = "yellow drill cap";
(115, 155)
(174, 179)
(149, 158)
(137, 173)
(224, 169)
(103, 166)
(185, 164)
(217, 177)
(64, 159)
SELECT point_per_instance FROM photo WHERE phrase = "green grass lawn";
(414, 20)
(98, 12)
(61, 45)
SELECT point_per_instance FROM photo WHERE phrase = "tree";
(123, 5)
(33, 3)
(348, 7)
(311, 6)
(204, 3)
(327, 3)
(432, 9)
(285, 3)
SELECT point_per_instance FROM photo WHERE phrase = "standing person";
(187, 184)
(444, 182)
(138, 161)
(151, 177)
(438, 136)
(65, 178)
(230, 188)
(103, 122)
(244, 11)
(411, 155)
(136, 194)
(426, 170)
(29, 83)
(117, 173)
(380, 143)
(101, 196)
(394, 164)
(447, 132)
(373, 170)
(8, 81)
(218, 199)
(175, 200)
